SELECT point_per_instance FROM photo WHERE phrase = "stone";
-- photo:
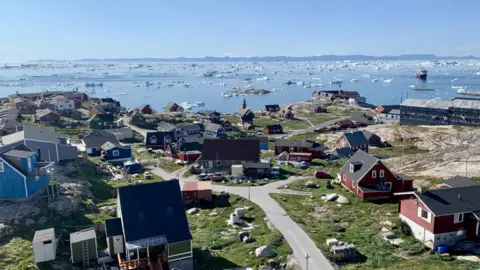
(29, 222)
(112, 209)
(342, 199)
(5, 230)
(384, 229)
(331, 242)
(264, 251)
(240, 212)
(248, 207)
(471, 258)
(269, 223)
(213, 214)
(386, 223)
(310, 184)
(192, 211)
(42, 220)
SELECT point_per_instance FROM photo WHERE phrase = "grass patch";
(398, 148)
(358, 223)
(287, 124)
(212, 232)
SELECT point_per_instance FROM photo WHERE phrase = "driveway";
(298, 240)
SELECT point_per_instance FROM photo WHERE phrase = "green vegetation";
(359, 223)
(165, 163)
(287, 124)
(398, 148)
(317, 164)
(212, 232)
(246, 184)
(231, 118)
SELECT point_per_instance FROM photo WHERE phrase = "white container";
(44, 245)
(237, 170)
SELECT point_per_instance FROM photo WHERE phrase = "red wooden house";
(145, 109)
(273, 129)
(299, 146)
(197, 192)
(354, 140)
(289, 115)
(442, 216)
(346, 123)
(370, 179)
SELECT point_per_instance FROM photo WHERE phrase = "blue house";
(132, 167)
(116, 153)
(95, 140)
(21, 174)
(215, 131)
(159, 139)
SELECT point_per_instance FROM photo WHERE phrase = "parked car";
(203, 177)
(322, 175)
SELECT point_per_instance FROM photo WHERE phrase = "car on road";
(203, 177)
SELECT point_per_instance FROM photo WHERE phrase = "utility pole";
(306, 258)
(466, 165)
(249, 201)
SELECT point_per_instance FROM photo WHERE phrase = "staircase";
(86, 257)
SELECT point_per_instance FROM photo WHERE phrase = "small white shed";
(44, 245)
(237, 170)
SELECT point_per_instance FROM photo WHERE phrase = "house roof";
(294, 143)
(261, 139)
(40, 133)
(143, 106)
(343, 152)
(19, 153)
(447, 201)
(172, 106)
(44, 235)
(242, 112)
(212, 127)
(96, 138)
(83, 235)
(368, 134)
(155, 209)
(277, 126)
(194, 126)
(389, 108)
(209, 113)
(355, 138)
(231, 149)
(257, 165)
(104, 117)
(165, 126)
(108, 145)
(192, 139)
(113, 227)
(363, 118)
(362, 159)
(460, 181)
(42, 113)
(426, 103)
(272, 107)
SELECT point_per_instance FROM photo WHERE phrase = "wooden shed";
(44, 245)
(196, 192)
(83, 246)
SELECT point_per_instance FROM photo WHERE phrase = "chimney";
(39, 153)
(458, 196)
(420, 189)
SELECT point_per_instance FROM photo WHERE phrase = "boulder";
(342, 199)
(264, 251)
(310, 184)
(386, 223)
(112, 209)
(213, 214)
(5, 230)
(29, 222)
(240, 212)
(42, 220)
(331, 197)
(192, 211)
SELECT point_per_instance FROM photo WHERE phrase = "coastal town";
(328, 183)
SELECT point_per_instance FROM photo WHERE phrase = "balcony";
(43, 169)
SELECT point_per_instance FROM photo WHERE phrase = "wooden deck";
(143, 263)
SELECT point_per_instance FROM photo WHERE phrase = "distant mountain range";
(356, 57)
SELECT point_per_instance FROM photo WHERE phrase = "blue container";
(442, 249)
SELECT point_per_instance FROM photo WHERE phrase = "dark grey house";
(52, 147)
(221, 154)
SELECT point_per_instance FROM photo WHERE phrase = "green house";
(151, 227)
(101, 121)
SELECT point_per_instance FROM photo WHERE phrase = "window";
(344, 177)
(351, 167)
(458, 218)
(424, 214)
(389, 185)
(153, 140)
(47, 242)
(29, 161)
(382, 173)
(353, 184)
(1, 167)
(374, 174)
(116, 153)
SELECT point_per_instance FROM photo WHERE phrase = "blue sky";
(71, 29)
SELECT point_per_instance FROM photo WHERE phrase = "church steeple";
(244, 105)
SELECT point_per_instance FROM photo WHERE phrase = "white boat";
(199, 104)
(375, 80)
(458, 87)
(477, 73)
(186, 105)
(354, 80)
(226, 94)
(336, 81)
(120, 94)
(388, 81)
(462, 91)
(412, 86)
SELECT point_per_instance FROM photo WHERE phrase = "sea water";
(157, 83)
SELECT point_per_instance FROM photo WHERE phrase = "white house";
(61, 103)
(44, 245)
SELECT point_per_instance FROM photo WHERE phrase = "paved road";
(311, 129)
(298, 240)
(142, 131)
